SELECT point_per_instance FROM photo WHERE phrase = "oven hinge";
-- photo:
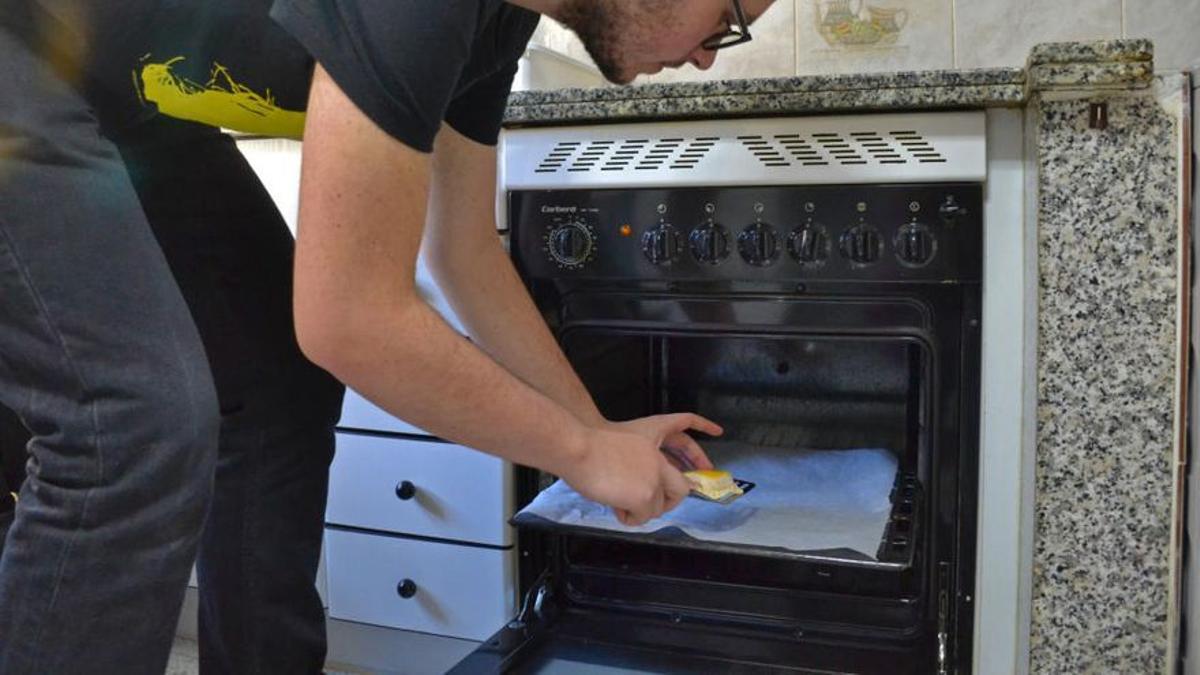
(538, 603)
(943, 609)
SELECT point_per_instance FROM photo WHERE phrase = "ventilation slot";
(589, 156)
(768, 151)
(637, 154)
(878, 148)
(917, 147)
(764, 150)
(636, 148)
(839, 148)
(801, 150)
(557, 157)
(695, 150)
(658, 154)
(621, 154)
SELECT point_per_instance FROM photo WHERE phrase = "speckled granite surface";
(1106, 64)
(1095, 76)
(1106, 359)
(1101, 64)
(1092, 52)
(796, 95)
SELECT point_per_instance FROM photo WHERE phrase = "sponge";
(713, 484)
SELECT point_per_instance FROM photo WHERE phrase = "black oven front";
(813, 318)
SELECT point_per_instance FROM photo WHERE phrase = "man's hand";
(682, 450)
(623, 466)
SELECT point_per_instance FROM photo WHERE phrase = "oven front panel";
(901, 233)
(832, 354)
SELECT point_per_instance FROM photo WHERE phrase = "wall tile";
(772, 52)
(843, 36)
(1172, 25)
(994, 33)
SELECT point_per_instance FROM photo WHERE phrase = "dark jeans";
(13, 438)
(146, 342)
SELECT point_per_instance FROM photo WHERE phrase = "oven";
(812, 285)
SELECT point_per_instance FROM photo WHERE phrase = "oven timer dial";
(571, 244)
(662, 244)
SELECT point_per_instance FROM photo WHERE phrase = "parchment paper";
(805, 500)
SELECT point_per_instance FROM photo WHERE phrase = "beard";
(601, 25)
(615, 31)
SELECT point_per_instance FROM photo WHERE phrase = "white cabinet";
(417, 509)
(420, 487)
(444, 589)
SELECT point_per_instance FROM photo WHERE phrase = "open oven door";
(556, 636)
(612, 602)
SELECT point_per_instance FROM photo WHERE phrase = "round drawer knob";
(406, 589)
(406, 490)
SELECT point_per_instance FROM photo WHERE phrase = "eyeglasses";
(732, 35)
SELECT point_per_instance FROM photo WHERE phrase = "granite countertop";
(1052, 65)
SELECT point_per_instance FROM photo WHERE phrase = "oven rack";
(899, 535)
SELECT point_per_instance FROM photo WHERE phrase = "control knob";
(571, 244)
(915, 245)
(862, 244)
(809, 244)
(710, 243)
(758, 244)
(950, 210)
(661, 244)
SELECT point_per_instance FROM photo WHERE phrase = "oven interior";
(772, 390)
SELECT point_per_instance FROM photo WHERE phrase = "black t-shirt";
(408, 64)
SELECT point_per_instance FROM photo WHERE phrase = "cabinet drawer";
(426, 488)
(458, 591)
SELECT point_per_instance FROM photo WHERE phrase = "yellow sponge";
(713, 484)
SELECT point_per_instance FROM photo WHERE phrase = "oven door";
(600, 642)
(846, 372)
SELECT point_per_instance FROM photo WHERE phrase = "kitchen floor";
(185, 660)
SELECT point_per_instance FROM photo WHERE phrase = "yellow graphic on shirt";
(220, 102)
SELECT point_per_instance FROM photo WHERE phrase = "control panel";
(889, 232)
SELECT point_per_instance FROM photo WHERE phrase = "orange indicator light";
(626, 230)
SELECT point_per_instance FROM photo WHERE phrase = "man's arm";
(363, 204)
(477, 276)
(464, 253)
